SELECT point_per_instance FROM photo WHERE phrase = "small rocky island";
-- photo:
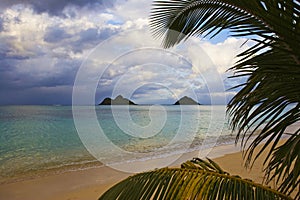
(119, 100)
(186, 101)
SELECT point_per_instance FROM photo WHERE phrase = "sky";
(61, 51)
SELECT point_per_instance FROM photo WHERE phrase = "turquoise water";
(38, 138)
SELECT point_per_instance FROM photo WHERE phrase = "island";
(119, 100)
(186, 101)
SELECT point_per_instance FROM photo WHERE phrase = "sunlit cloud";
(42, 46)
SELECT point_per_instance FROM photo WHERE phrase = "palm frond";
(280, 163)
(179, 20)
(267, 105)
(269, 102)
(196, 179)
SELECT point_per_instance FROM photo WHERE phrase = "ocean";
(41, 139)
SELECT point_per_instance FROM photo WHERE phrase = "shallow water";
(39, 138)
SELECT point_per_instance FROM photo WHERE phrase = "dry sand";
(91, 183)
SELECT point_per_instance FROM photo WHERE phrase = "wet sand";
(91, 183)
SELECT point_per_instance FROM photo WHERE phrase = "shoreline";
(31, 175)
(92, 182)
(93, 163)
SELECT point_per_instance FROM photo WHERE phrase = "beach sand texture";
(91, 183)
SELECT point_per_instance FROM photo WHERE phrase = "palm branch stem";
(196, 179)
(237, 178)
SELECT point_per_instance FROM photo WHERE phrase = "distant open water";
(35, 139)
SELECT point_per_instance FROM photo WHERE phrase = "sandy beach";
(91, 183)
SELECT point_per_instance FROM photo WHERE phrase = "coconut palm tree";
(266, 104)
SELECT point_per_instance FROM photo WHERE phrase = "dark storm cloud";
(11, 78)
(36, 96)
(1, 25)
(8, 77)
(55, 34)
(5, 46)
(149, 87)
(25, 81)
(55, 7)
(63, 77)
(37, 74)
(91, 37)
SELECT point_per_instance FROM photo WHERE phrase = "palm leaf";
(196, 179)
(269, 102)
(280, 164)
(180, 19)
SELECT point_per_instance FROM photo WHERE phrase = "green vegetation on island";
(186, 101)
(119, 100)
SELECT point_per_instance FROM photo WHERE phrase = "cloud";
(56, 7)
(145, 65)
(43, 44)
(89, 38)
(1, 25)
(193, 68)
(37, 96)
(39, 72)
(129, 10)
(220, 56)
(55, 34)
